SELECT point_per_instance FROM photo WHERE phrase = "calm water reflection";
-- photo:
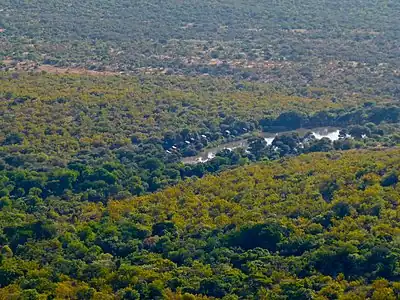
(208, 154)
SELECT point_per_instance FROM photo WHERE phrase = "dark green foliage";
(390, 179)
(13, 138)
(164, 228)
(261, 235)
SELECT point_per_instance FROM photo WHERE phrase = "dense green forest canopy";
(100, 137)
(282, 230)
(115, 108)
(105, 104)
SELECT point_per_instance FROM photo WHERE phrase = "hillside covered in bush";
(347, 45)
(214, 149)
(95, 138)
(319, 226)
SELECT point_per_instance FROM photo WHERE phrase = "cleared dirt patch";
(32, 66)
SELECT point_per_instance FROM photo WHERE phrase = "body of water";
(208, 154)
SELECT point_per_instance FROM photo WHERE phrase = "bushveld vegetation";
(281, 230)
(348, 45)
(96, 201)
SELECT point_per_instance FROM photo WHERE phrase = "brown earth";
(32, 66)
